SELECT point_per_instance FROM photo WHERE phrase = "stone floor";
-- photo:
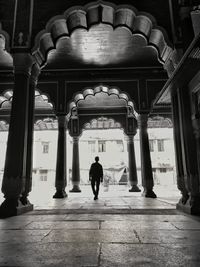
(119, 229)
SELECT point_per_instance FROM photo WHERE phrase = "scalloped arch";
(4, 126)
(44, 99)
(101, 12)
(158, 121)
(41, 100)
(81, 96)
(102, 123)
(4, 39)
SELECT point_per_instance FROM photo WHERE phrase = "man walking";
(96, 176)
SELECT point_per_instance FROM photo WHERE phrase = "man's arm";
(90, 173)
(101, 174)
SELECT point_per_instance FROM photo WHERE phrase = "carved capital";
(61, 121)
(143, 120)
(75, 139)
(130, 139)
(23, 63)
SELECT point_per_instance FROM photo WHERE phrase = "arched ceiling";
(101, 35)
(102, 46)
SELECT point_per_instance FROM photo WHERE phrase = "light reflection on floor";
(114, 196)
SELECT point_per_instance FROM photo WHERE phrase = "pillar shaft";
(132, 165)
(181, 183)
(30, 130)
(16, 155)
(61, 180)
(146, 167)
(186, 25)
(188, 142)
(75, 166)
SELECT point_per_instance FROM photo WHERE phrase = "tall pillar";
(189, 154)
(16, 155)
(196, 125)
(146, 168)
(30, 130)
(75, 166)
(187, 33)
(61, 180)
(181, 182)
(132, 165)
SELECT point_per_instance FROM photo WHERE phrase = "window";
(151, 145)
(160, 145)
(43, 175)
(91, 145)
(163, 170)
(102, 146)
(45, 147)
(120, 145)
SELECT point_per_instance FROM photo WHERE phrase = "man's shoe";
(95, 198)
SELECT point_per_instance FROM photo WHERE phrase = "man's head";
(96, 159)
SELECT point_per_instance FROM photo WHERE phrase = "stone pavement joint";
(107, 211)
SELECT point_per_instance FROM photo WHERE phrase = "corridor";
(119, 229)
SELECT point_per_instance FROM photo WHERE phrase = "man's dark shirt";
(96, 171)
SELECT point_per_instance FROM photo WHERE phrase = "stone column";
(16, 155)
(189, 154)
(196, 125)
(181, 183)
(146, 168)
(132, 165)
(29, 157)
(75, 166)
(187, 33)
(61, 180)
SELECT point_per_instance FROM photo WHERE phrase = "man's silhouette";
(96, 176)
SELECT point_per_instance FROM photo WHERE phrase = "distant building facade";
(110, 145)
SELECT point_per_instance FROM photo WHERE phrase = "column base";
(149, 193)
(192, 206)
(60, 194)
(134, 188)
(14, 207)
(75, 189)
(24, 200)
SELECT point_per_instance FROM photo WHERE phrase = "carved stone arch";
(6, 62)
(81, 96)
(43, 106)
(160, 121)
(6, 99)
(118, 122)
(102, 123)
(43, 101)
(5, 107)
(141, 25)
(4, 125)
(4, 39)
(46, 123)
